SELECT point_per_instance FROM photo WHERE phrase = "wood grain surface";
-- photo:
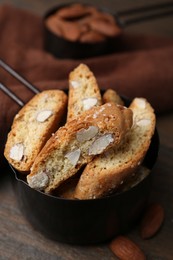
(19, 241)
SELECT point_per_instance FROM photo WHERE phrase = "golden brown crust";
(108, 171)
(84, 92)
(111, 95)
(33, 126)
(54, 164)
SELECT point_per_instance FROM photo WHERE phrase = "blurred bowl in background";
(78, 31)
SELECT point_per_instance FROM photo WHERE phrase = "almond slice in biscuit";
(75, 83)
(73, 156)
(140, 102)
(143, 122)
(17, 152)
(38, 181)
(43, 115)
(89, 103)
(87, 134)
(100, 144)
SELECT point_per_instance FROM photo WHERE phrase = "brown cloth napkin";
(143, 68)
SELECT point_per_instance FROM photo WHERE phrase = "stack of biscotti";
(109, 171)
(33, 126)
(77, 143)
(90, 130)
(101, 146)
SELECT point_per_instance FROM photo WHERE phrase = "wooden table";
(18, 240)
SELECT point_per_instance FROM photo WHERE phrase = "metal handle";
(12, 72)
(136, 15)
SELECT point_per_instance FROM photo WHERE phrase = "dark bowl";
(65, 49)
(86, 221)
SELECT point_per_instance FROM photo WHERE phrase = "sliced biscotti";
(84, 92)
(108, 171)
(76, 143)
(111, 95)
(33, 126)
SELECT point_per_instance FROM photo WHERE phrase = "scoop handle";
(133, 16)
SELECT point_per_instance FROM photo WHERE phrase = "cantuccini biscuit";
(111, 95)
(84, 92)
(76, 144)
(33, 126)
(109, 170)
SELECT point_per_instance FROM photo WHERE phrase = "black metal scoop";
(21, 79)
(82, 221)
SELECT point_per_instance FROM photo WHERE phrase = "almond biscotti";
(76, 144)
(84, 92)
(108, 171)
(111, 95)
(33, 126)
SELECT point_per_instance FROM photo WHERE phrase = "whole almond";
(92, 10)
(92, 37)
(73, 11)
(126, 249)
(53, 25)
(104, 27)
(70, 30)
(152, 221)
